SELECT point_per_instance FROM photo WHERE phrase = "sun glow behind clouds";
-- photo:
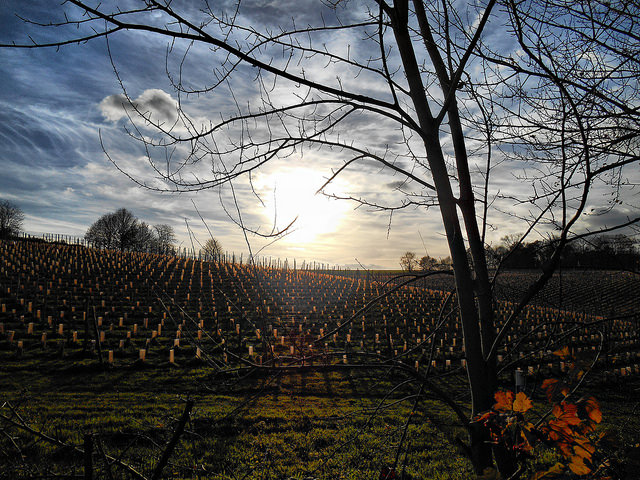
(290, 194)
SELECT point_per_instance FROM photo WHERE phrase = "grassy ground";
(324, 425)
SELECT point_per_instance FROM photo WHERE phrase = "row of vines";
(143, 307)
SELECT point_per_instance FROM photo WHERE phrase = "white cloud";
(154, 103)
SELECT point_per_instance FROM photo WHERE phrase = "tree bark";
(476, 318)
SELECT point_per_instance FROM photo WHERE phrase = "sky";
(64, 126)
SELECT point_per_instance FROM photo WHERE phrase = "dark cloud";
(397, 184)
(273, 13)
(598, 217)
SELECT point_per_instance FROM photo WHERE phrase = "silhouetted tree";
(427, 263)
(121, 230)
(144, 238)
(212, 250)
(408, 261)
(11, 218)
(165, 239)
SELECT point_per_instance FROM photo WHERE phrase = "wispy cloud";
(56, 106)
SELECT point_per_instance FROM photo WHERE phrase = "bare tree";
(165, 239)
(143, 238)
(554, 98)
(427, 263)
(120, 230)
(100, 234)
(212, 250)
(11, 218)
(408, 261)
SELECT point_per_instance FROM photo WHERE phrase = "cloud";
(53, 166)
(598, 217)
(397, 184)
(153, 103)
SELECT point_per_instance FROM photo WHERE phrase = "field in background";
(241, 340)
(593, 292)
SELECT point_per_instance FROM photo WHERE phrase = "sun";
(290, 194)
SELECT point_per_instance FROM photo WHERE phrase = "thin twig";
(157, 474)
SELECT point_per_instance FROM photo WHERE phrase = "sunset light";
(291, 195)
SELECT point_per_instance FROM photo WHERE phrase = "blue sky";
(56, 105)
(55, 170)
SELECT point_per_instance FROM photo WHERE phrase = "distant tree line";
(599, 252)
(410, 262)
(121, 230)
(612, 252)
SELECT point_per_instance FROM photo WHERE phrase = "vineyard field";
(593, 292)
(284, 365)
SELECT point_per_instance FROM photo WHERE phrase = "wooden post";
(97, 336)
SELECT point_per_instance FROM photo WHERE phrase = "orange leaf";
(522, 403)
(551, 385)
(562, 353)
(565, 448)
(504, 400)
(584, 448)
(566, 413)
(525, 444)
(593, 410)
(571, 414)
(557, 411)
(485, 416)
(578, 467)
(553, 435)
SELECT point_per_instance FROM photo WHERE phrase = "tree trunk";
(476, 318)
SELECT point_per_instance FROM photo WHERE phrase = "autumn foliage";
(569, 427)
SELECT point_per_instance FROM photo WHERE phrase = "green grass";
(325, 425)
